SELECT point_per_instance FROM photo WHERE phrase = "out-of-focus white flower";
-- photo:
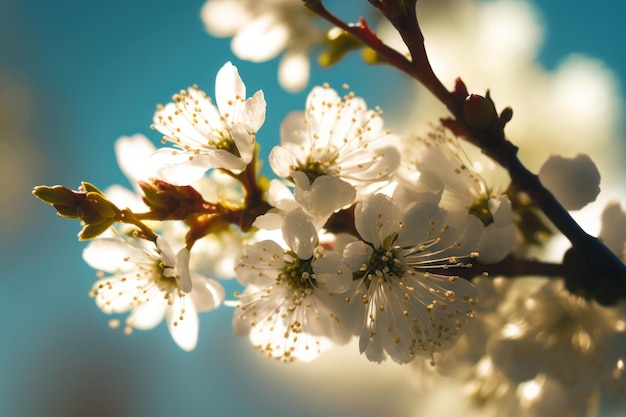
(494, 45)
(262, 29)
(576, 344)
(134, 157)
(287, 309)
(613, 231)
(151, 284)
(404, 308)
(207, 136)
(339, 137)
(442, 169)
(575, 182)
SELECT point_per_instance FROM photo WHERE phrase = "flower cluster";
(329, 254)
(398, 242)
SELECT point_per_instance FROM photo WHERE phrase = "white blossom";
(205, 135)
(262, 29)
(287, 309)
(441, 170)
(151, 284)
(578, 345)
(406, 309)
(339, 137)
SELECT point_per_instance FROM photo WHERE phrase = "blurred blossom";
(573, 109)
(262, 29)
(472, 190)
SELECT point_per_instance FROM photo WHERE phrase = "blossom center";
(226, 143)
(314, 168)
(383, 263)
(164, 283)
(298, 274)
(480, 209)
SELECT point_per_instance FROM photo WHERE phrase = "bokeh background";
(74, 76)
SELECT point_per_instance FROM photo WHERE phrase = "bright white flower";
(262, 29)
(575, 182)
(207, 136)
(339, 137)
(442, 170)
(151, 284)
(406, 309)
(287, 308)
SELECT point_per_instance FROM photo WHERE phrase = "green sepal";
(94, 230)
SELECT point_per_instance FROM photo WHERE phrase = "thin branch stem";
(599, 262)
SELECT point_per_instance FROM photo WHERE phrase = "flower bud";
(480, 113)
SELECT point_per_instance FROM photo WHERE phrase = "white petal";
(293, 131)
(253, 112)
(207, 293)
(269, 221)
(183, 275)
(221, 158)
(282, 161)
(422, 221)
(327, 194)
(357, 254)
(377, 218)
(503, 213)
(260, 262)
(112, 255)
(228, 88)
(244, 142)
(223, 18)
(117, 294)
(148, 315)
(333, 272)
(134, 156)
(280, 196)
(299, 233)
(262, 39)
(182, 322)
(177, 168)
(122, 197)
(496, 243)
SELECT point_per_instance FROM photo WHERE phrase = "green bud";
(88, 204)
(94, 230)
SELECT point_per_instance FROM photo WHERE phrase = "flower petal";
(228, 88)
(183, 324)
(282, 161)
(377, 218)
(299, 233)
(253, 112)
(207, 293)
(112, 255)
